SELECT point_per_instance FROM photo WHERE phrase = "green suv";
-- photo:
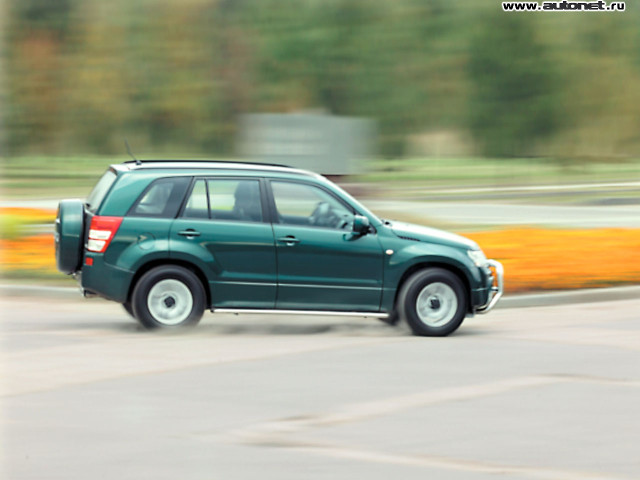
(169, 239)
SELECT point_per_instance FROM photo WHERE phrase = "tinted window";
(161, 199)
(301, 204)
(235, 200)
(225, 199)
(100, 190)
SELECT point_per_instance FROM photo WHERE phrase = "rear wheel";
(168, 297)
(433, 302)
(129, 309)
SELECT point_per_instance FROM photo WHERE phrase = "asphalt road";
(531, 393)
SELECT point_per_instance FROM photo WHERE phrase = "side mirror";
(360, 225)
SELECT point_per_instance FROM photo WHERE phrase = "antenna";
(126, 144)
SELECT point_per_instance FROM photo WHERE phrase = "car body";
(168, 239)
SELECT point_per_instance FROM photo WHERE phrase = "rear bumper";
(104, 280)
(83, 291)
(496, 287)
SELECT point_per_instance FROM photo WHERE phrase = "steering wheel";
(343, 222)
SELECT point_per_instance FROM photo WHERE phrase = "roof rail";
(239, 162)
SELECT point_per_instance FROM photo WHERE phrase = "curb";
(526, 300)
(567, 297)
(39, 291)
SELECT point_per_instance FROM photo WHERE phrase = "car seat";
(247, 201)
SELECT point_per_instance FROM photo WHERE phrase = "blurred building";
(326, 144)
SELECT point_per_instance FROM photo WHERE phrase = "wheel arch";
(435, 264)
(171, 261)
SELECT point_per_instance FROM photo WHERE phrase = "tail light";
(101, 232)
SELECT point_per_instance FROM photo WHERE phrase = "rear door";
(223, 227)
(321, 264)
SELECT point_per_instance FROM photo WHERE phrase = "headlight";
(478, 257)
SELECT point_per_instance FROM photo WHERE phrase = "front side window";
(303, 204)
(225, 199)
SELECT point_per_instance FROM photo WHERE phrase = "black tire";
(69, 236)
(168, 297)
(129, 309)
(433, 302)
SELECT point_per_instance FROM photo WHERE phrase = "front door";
(322, 265)
(224, 227)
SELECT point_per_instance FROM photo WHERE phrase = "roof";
(132, 165)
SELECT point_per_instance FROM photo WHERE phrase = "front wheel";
(433, 302)
(168, 297)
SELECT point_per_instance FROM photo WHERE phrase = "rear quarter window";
(100, 191)
(161, 199)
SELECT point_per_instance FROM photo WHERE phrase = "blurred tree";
(3, 89)
(36, 46)
(49, 15)
(513, 97)
(96, 100)
(173, 76)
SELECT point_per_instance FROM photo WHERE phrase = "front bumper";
(497, 286)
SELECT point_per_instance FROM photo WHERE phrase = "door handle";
(189, 233)
(289, 240)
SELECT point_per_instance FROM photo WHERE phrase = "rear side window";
(98, 193)
(161, 199)
(235, 200)
(225, 199)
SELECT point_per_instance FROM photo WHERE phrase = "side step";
(300, 312)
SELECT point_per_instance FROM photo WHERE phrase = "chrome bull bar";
(497, 287)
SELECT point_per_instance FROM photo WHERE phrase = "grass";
(55, 177)
(508, 171)
(51, 177)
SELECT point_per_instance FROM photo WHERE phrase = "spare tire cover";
(69, 235)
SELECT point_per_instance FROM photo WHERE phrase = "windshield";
(100, 190)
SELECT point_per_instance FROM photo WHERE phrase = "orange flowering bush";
(26, 253)
(13, 220)
(29, 215)
(534, 258)
(541, 259)
(35, 254)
